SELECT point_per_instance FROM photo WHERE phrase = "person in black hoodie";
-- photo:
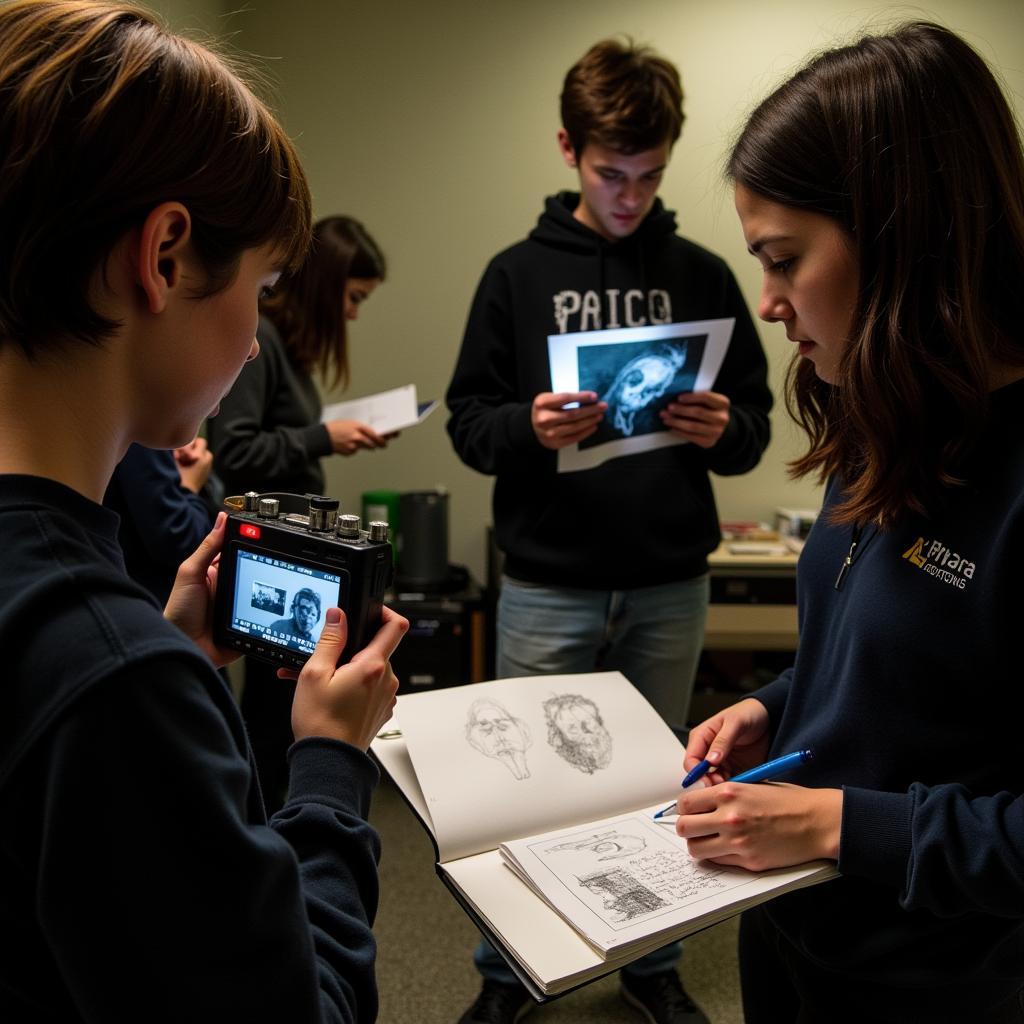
(605, 567)
(882, 190)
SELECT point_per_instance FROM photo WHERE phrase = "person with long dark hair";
(882, 190)
(268, 435)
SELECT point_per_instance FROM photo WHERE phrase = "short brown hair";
(307, 308)
(622, 96)
(105, 114)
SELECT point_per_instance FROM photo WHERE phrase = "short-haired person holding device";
(882, 190)
(147, 197)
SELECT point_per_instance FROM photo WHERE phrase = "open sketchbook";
(539, 794)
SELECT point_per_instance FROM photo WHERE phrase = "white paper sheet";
(385, 412)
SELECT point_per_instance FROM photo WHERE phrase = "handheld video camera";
(287, 558)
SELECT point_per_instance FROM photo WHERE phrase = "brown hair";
(622, 96)
(307, 308)
(908, 143)
(105, 114)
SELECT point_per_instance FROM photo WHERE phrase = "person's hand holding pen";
(751, 826)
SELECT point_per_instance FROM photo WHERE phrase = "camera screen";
(281, 602)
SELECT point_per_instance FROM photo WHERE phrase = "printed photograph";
(638, 371)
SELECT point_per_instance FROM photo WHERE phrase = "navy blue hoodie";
(907, 685)
(139, 877)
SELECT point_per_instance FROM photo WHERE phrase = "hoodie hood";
(558, 228)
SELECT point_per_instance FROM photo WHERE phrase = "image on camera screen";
(281, 602)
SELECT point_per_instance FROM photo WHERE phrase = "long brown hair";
(104, 114)
(307, 308)
(906, 140)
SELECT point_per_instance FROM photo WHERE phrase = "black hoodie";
(637, 520)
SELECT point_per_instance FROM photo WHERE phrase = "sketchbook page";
(385, 412)
(638, 371)
(515, 757)
(553, 953)
(629, 878)
(390, 750)
(547, 948)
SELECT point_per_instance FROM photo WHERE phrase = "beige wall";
(434, 123)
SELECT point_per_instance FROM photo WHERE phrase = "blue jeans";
(652, 635)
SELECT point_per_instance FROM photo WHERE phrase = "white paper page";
(629, 877)
(391, 751)
(637, 371)
(385, 412)
(550, 951)
(486, 759)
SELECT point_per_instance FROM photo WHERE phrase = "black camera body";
(287, 558)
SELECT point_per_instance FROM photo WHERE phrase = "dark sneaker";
(661, 998)
(498, 1004)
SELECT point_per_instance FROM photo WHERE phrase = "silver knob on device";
(323, 514)
(270, 508)
(250, 501)
(378, 531)
(348, 527)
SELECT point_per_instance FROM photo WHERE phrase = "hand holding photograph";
(638, 371)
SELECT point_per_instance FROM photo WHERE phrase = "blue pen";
(698, 771)
(777, 766)
(763, 772)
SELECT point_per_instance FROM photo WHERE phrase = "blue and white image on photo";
(638, 380)
(657, 362)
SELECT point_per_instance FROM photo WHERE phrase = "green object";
(383, 506)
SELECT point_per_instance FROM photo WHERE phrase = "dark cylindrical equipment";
(423, 548)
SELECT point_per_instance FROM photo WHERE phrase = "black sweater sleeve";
(490, 426)
(159, 896)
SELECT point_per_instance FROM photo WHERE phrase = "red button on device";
(248, 530)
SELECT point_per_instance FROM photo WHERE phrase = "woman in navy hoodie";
(882, 191)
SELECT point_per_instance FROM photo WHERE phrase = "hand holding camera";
(350, 702)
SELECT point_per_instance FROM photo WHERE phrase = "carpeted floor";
(425, 970)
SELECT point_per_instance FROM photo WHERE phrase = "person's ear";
(566, 148)
(163, 245)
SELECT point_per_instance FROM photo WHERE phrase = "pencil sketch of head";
(642, 380)
(496, 733)
(622, 895)
(576, 732)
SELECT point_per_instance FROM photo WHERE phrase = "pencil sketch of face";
(640, 382)
(609, 845)
(621, 894)
(576, 732)
(496, 733)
